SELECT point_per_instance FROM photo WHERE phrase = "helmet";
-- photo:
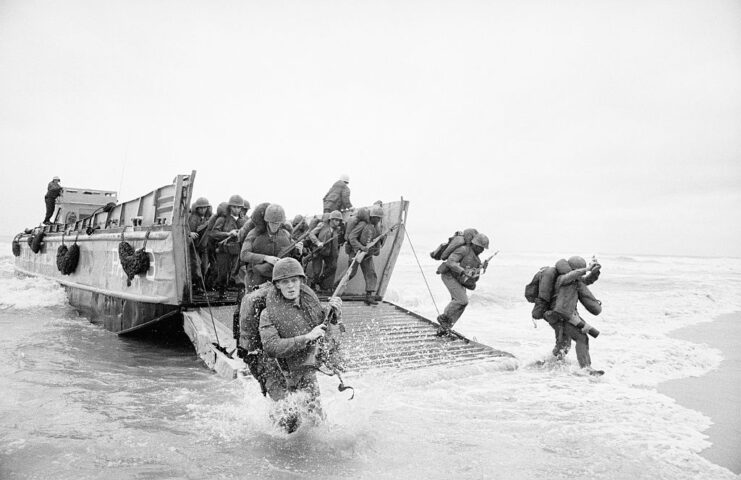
(336, 215)
(55, 177)
(577, 262)
(246, 205)
(275, 214)
(297, 219)
(201, 202)
(236, 201)
(376, 211)
(287, 268)
(481, 240)
(345, 178)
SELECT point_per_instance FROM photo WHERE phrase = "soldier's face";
(289, 287)
(273, 227)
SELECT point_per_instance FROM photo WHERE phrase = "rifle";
(286, 250)
(486, 262)
(305, 261)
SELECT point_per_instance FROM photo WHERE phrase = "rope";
(422, 272)
(208, 303)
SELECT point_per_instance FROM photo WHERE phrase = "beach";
(717, 394)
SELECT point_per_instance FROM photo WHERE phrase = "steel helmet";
(297, 219)
(246, 205)
(201, 202)
(275, 214)
(287, 268)
(481, 240)
(55, 177)
(345, 178)
(336, 215)
(376, 211)
(236, 201)
(577, 262)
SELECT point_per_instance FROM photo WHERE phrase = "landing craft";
(126, 266)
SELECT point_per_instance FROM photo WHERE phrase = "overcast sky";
(570, 126)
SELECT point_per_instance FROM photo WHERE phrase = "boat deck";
(379, 337)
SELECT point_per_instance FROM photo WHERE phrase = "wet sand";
(718, 393)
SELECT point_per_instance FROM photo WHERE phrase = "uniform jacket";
(322, 233)
(284, 323)
(338, 197)
(53, 190)
(258, 244)
(461, 259)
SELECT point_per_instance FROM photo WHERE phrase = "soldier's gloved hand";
(300, 247)
(335, 302)
(316, 332)
(270, 259)
(320, 244)
(363, 248)
(194, 235)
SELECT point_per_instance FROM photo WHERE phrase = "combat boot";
(370, 299)
(444, 325)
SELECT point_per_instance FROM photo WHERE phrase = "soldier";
(200, 212)
(361, 235)
(282, 358)
(225, 234)
(263, 246)
(53, 191)
(338, 196)
(460, 272)
(299, 226)
(324, 263)
(571, 288)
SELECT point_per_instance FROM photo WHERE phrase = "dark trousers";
(50, 204)
(324, 270)
(369, 272)
(565, 333)
(225, 263)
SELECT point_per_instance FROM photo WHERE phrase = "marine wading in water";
(556, 291)
(280, 324)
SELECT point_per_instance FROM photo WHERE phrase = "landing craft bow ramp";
(381, 337)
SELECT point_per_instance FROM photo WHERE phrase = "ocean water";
(78, 402)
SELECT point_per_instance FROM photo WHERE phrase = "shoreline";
(716, 394)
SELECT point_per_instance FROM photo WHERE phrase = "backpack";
(443, 251)
(531, 289)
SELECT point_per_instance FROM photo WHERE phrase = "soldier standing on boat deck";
(456, 272)
(53, 191)
(324, 264)
(338, 196)
(263, 246)
(225, 233)
(280, 353)
(361, 235)
(200, 213)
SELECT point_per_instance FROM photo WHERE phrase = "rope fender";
(68, 258)
(17, 245)
(133, 262)
(35, 241)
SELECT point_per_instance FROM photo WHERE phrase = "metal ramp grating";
(388, 336)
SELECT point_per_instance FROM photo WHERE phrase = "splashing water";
(80, 402)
